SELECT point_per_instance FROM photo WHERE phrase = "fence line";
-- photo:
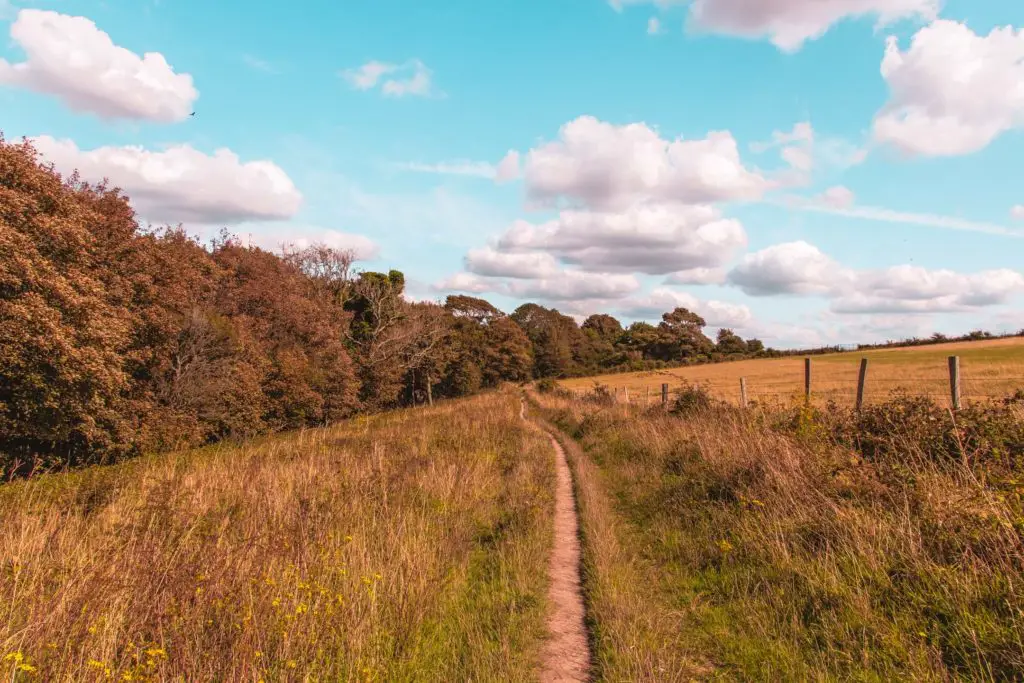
(749, 389)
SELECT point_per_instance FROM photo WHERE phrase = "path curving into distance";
(566, 655)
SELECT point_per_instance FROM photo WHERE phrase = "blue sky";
(917, 233)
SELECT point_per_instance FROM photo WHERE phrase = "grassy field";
(988, 369)
(720, 547)
(407, 546)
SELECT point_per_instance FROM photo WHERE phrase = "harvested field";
(989, 369)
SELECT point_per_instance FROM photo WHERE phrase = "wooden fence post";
(861, 379)
(430, 392)
(807, 379)
(954, 381)
(664, 394)
(743, 392)
(647, 398)
(625, 394)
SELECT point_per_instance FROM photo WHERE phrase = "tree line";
(118, 340)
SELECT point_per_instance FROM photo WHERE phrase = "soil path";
(566, 655)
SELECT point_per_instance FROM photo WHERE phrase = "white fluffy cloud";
(790, 23)
(655, 239)
(468, 283)
(789, 268)
(801, 268)
(697, 276)
(508, 168)
(70, 58)
(182, 184)
(605, 166)
(492, 263)
(1018, 212)
(288, 235)
(575, 285)
(661, 300)
(395, 80)
(952, 92)
(564, 286)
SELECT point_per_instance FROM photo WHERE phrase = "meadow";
(989, 369)
(410, 545)
(722, 544)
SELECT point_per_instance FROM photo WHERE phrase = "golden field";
(989, 369)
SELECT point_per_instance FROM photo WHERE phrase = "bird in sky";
(192, 114)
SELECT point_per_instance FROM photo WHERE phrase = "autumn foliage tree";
(118, 340)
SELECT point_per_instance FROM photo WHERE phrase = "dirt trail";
(566, 655)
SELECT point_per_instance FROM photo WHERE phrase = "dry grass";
(409, 546)
(989, 369)
(719, 548)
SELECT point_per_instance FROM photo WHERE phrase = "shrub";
(546, 385)
(691, 399)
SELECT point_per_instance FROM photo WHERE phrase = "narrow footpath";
(566, 655)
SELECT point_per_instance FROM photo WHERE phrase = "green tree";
(683, 335)
(730, 343)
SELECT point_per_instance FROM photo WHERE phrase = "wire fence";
(821, 383)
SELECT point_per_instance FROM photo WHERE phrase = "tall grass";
(718, 545)
(409, 546)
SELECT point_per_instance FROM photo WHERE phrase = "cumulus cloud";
(468, 283)
(395, 80)
(791, 23)
(654, 239)
(602, 165)
(661, 300)
(515, 279)
(952, 92)
(801, 268)
(508, 168)
(789, 268)
(575, 285)
(697, 276)
(492, 263)
(182, 184)
(274, 237)
(1018, 212)
(70, 58)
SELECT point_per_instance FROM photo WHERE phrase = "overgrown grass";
(408, 546)
(722, 544)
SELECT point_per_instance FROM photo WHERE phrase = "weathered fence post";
(861, 379)
(664, 394)
(430, 392)
(625, 394)
(807, 379)
(647, 399)
(743, 392)
(954, 381)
